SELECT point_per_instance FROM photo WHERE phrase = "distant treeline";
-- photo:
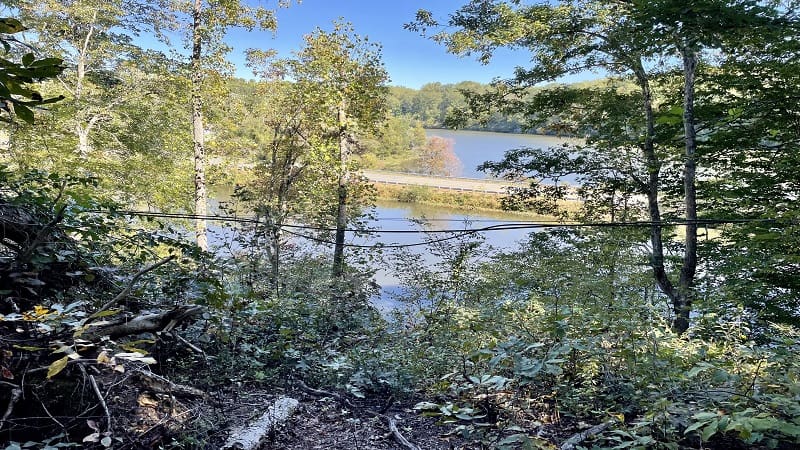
(433, 102)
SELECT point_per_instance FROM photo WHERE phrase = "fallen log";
(251, 437)
(147, 323)
(577, 438)
(161, 385)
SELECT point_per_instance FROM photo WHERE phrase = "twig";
(44, 407)
(99, 395)
(23, 257)
(130, 285)
(397, 436)
(16, 393)
(163, 385)
(193, 347)
(344, 400)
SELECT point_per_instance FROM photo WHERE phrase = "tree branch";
(130, 285)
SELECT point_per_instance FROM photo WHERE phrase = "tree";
(111, 89)
(207, 23)
(394, 146)
(438, 158)
(92, 37)
(342, 76)
(624, 154)
(264, 124)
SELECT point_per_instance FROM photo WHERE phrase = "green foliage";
(70, 268)
(16, 93)
(570, 330)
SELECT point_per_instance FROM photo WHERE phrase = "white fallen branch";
(251, 437)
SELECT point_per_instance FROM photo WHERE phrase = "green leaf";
(709, 430)
(705, 416)
(10, 25)
(57, 366)
(28, 348)
(694, 427)
(697, 369)
(46, 62)
(24, 113)
(27, 59)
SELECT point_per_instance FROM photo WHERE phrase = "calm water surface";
(474, 148)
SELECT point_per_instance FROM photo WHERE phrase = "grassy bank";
(473, 201)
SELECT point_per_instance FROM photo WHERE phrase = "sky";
(410, 59)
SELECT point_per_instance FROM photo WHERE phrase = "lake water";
(396, 219)
(474, 148)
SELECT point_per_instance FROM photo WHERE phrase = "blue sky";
(410, 59)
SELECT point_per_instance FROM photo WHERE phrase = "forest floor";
(322, 423)
(319, 422)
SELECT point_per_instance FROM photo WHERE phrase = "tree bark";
(682, 303)
(654, 172)
(198, 133)
(253, 436)
(341, 209)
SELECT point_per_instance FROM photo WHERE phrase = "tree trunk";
(682, 303)
(654, 172)
(83, 140)
(198, 136)
(341, 209)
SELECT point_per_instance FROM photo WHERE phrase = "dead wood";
(577, 438)
(162, 385)
(16, 394)
(129, 287)
(251, 437)
(146, 323)
(99, 395)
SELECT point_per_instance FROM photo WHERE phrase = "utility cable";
(454, 233)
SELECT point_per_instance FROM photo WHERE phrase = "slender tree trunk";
(81, 131)
(341, 210)
(198, 136)
(682, 304)
(654, 172)
(83, 140)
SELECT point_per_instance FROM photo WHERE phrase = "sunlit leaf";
(57, 366)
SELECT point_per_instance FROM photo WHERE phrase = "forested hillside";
(138, 311)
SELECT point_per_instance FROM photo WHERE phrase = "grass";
(476, 201)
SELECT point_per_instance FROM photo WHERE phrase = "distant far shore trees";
(435, 104)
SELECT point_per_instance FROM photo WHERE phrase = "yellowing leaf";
(103, 358)
(147, 401)
(79, 330)
(106, 313)
(57, 366)
(133, 349)
(29, 348)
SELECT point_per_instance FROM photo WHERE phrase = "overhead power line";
(454, 233)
